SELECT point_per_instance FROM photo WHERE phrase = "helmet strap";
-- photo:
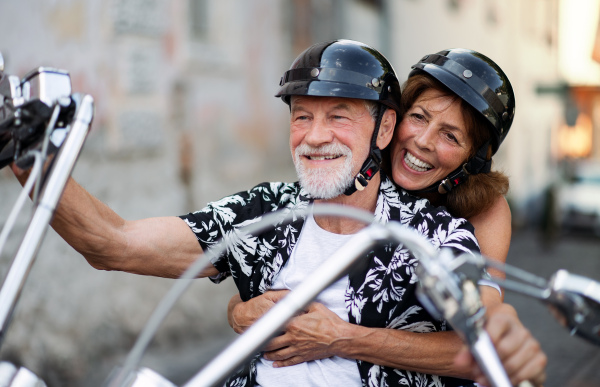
(476, 164)
(372, 164)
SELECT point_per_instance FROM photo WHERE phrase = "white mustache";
(333, 149)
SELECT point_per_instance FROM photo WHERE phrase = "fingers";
(465, 361)
(241, 315)
(281, 355)
(286, 357)
(276, 295)
(236, 299)
(20, 174)
(528, 363)
(289, 362)
(520, 353)
(289, 356)
(277, 343)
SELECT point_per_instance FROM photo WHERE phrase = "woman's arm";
(493, 232)
(319, 333)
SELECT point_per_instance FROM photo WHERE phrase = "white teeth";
(323, 157)
(415, 163)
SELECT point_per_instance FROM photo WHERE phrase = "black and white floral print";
(380, 294)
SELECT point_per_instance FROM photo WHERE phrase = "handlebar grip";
(486, 356)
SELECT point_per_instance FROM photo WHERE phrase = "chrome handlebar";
(39, 117)
(27, 106)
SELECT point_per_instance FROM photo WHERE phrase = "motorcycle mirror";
(575, 302)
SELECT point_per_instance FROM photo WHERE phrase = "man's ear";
(386, 129)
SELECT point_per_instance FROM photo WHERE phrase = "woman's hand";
(519, 352)
(309, 336)
(243, 314)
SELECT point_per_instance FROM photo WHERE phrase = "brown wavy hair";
(479, 191)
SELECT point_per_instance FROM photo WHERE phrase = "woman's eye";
(452, 137)
(418, 116)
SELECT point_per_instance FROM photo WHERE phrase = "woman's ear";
(386, 129)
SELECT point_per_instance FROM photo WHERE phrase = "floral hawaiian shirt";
(381, 293)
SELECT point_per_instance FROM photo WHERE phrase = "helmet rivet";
(389, 89)
(467, 74)
(314, 72)
(375, 82)
(504, 116)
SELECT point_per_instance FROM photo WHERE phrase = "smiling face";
(329, 141)
(430, 142)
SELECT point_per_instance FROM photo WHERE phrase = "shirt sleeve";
(223, 218)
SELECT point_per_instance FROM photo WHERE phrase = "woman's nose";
(425, 139)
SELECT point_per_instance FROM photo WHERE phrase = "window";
(198, 19)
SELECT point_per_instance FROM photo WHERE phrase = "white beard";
(324, 183)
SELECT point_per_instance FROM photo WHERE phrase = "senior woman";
(458, 106)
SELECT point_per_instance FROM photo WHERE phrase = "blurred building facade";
(185, 114)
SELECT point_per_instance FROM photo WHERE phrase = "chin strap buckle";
(369, 169)
(460, 175)
(477, 164)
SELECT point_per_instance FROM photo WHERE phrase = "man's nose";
(319, 133)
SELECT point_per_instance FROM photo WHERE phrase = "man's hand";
(309, 336)
(519, 351)
(20, 174)
(243, 314)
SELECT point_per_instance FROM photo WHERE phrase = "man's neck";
(364, 200)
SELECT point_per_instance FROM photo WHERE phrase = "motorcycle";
(43, 126)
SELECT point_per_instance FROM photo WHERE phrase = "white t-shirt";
(314, 246)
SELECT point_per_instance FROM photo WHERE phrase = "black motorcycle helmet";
(482, 84)
(346, 69)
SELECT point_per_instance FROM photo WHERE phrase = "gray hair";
(372, 108)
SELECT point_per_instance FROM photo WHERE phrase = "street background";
(185, 114)
(572, 361)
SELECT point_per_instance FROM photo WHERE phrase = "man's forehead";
(333, 102)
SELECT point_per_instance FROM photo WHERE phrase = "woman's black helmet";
(479, 81)
(342, 68)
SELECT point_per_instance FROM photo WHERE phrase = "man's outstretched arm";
(162, 247)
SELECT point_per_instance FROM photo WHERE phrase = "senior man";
(343, 107)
